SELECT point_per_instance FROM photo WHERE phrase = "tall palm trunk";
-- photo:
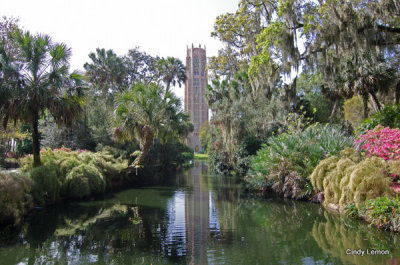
(365, 104)
(146, 140)
(35, 139)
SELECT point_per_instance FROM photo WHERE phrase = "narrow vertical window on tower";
(203, 66)
(195, 66)
(196, 86)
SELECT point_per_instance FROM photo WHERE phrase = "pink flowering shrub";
(64, 149)
(381, 142)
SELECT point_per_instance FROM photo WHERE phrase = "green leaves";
(304, 150)
(148, 112)
(171, 71)
(38, 80)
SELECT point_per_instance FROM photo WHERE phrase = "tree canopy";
(36, 79)
(147, 112)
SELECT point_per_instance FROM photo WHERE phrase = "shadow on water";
(192, 218)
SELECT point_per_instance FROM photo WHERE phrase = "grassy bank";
(198, 156)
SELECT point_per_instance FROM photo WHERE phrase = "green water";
(193, 218)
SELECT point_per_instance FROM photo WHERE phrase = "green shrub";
(170, 154)
(389, 116)
(97, 171)
(15, 198)
(84, 180)
(351, 178)
(110, 168)
(351, 210)
(384, 213)
(76, 186)
(67, 165)
(47, 184)
(300, 151)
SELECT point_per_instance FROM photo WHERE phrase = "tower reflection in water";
(192, 217)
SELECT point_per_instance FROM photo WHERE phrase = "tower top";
(193, 47)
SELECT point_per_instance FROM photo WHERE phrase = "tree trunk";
(397, 93)
(376, 101)
(35, 140)
(365, 103)
(145, 144)
(333, 111)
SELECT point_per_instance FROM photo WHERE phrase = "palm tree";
(172, 71)
(36, 79)
(145, 112)
(106, 71)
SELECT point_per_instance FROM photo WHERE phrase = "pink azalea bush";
(381, 142)
(385, 143)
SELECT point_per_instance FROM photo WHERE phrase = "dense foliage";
(384, 213)
(34, 78)
(77, 109)
(389, 116)
(281, 56)
(15, 198)
(351, 178)
(147, 112)
(286, 66)
(66, 174)
(288, 159)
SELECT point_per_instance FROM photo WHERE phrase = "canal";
(194, 218)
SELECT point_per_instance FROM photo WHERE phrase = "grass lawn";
(198, 156)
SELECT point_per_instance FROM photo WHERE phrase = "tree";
(140, 67)
(267, 36)
(172, 71)
(37, 80)
(106, 72)
(145, 112)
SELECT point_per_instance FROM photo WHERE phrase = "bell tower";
(195, 87)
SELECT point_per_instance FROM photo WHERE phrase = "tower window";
(195, 66)
(203, 66)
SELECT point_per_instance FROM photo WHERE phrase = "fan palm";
(145, 112)
(36, 79)
(172, 71)
(106, 71)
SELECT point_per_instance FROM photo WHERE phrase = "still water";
(193, 218)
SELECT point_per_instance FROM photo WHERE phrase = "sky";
(158, 27)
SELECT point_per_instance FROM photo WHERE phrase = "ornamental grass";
(67, 174)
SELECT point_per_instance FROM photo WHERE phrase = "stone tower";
(195, 87)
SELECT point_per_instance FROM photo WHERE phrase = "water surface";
(193, 218)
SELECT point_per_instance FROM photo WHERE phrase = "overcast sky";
(158, 27)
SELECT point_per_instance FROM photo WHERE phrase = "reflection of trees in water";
(278, 231)
(86, 234)
(335, 234)
(240, 229)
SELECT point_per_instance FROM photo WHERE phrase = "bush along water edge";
(363, 182)
(355, 177)
(64, 175)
